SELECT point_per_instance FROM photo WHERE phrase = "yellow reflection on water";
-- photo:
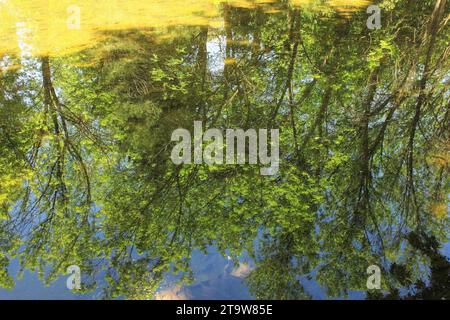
(347, 7)
(58, 27)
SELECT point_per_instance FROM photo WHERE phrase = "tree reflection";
(86, 176)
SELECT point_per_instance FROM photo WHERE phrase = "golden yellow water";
(49, 27)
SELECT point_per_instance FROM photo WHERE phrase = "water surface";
(88, 107)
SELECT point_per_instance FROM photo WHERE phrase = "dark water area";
(225, 150)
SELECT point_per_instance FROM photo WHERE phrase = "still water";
(92, 93)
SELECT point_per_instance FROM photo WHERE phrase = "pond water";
(100, 104)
